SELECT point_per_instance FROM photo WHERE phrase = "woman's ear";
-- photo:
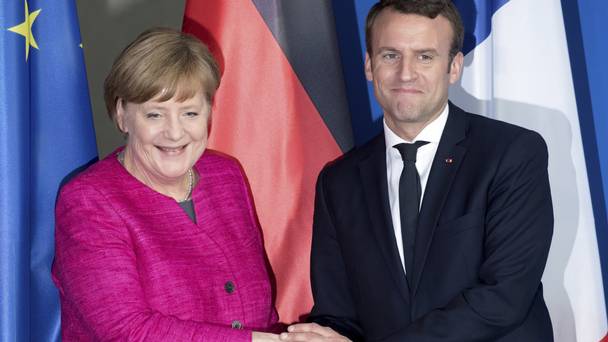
(121, 116)
(210, 114)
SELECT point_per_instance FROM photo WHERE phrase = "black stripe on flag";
(305, 30)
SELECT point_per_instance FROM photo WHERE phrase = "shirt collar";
(431, 133)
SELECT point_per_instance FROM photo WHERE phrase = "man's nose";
(407, 69)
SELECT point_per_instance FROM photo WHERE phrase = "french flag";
(521, 67)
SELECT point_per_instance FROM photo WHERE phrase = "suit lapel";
(446, 163)
(373, 177)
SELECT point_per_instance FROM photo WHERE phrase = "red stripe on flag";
(605, 339)
(264, 117)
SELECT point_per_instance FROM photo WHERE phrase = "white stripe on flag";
(521, 74)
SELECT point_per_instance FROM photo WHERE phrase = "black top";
(188, 207)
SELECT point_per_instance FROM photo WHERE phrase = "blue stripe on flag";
(593, 128)
(477, 19)
(351, 43)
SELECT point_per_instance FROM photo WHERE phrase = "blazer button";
(229, 286)
(237, 325)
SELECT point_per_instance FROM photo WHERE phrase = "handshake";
(302, 332)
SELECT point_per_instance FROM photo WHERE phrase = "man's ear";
(368, 67)
(121, 116)
(456, 67)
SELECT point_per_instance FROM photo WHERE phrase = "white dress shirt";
(424, 158)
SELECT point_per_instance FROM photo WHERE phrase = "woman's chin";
(174, 174)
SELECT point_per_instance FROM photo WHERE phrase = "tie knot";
(408, 151)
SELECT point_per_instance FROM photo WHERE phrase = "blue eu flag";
(46, 133)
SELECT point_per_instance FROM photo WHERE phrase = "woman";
(159, 240)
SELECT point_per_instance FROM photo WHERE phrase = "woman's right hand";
(263, 337)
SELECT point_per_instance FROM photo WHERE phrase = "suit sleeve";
(332, 294)
(96, 271)
(518, 231)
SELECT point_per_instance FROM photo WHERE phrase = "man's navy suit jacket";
(482, 241)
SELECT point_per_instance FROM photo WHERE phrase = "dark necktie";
(409, 201)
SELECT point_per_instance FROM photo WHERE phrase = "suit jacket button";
(229, 286)
(237, 324)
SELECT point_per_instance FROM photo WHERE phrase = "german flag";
(282, 110)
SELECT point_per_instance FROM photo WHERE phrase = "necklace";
(121, 159)
(190, 183)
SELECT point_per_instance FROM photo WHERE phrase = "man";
(467, 265)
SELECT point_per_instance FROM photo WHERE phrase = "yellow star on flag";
(25, 29)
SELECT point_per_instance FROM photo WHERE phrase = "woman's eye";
(152, 115)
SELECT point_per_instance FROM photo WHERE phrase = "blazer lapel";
(373, 177)
(448, 159)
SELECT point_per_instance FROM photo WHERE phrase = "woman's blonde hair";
(159, 63)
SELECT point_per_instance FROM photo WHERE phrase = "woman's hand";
(263, 337)
(311, 332)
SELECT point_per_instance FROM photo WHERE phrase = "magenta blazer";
(131, 265)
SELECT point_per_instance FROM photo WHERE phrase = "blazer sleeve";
(333, 305)
(518, 231)
(96, 271)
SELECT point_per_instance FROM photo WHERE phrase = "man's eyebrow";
(417, 51)
(427, 50)
(387, 48)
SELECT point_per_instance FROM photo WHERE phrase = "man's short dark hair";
(427, 8)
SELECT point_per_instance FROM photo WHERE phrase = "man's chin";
(410, 115)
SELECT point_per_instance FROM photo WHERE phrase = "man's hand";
(311, 332)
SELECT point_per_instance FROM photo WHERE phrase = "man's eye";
(152, 115)
(425, 58)
(390, 56)
(191, 114)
